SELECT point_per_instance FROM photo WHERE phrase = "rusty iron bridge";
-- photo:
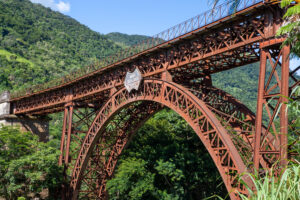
(101, 115)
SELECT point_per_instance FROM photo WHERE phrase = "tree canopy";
(28, 167)
(166, 160)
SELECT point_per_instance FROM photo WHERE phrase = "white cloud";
(60, 6)
(63, 7)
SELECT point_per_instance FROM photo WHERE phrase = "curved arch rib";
(110, 145)
(240, 122)
(212, 134)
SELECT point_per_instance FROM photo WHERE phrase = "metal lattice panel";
(193, 110)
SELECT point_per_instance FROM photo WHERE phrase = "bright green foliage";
(132, 181)
(293, 106)
(241, 83)
(10, 57)
(40, 44)
(27, 167)
(165, 160)
(291, 26)
(287, 187)
(126, 40)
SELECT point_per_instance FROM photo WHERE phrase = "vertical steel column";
(66, 135)
(283, 112)
(66, 130)
(62, 143)
(259, 109)
(270, 50)
(69, 134)
(65, 145)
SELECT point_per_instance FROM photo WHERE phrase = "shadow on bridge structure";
(101, 113)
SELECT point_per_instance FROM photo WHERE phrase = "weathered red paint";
(177, 74)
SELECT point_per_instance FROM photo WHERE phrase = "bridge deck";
(223, 42)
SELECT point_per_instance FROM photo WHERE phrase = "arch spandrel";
(239, 121)
(205, 124)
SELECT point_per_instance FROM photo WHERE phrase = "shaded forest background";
(38, 45)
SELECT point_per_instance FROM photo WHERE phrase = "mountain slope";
(241, 82)
(52, 43)
(125, 39)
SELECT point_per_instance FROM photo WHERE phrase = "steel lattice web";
(196, 23)
(100, 115)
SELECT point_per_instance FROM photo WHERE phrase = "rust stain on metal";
(171, 66)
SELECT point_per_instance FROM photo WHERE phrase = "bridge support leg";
(283, 111)
(76, 122)
(273, 87)
(64, 157)
(259, 108)
(66, 135)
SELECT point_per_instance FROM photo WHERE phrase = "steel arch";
(239, 121)
(105, 154)
(212, 134)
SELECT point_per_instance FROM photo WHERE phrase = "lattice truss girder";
(76, 123)
(233, 115)
(112, 134)
(106, 152)
(236, 117)
(232, 112)
(217, 49)
(273, 90)
(241, 56)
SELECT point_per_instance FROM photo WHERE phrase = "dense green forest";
(126, 40)
(37, 45)
(165, 160)
(28, 168)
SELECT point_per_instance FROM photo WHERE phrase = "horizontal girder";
(218, 48)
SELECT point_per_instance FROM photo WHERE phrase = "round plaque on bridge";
(133, 80)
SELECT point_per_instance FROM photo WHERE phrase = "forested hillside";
(38, 44)
(240, 82)
(125, 39)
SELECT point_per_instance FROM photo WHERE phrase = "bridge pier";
(38, 125)
(271, 101)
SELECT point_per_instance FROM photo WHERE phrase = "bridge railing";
(200, 21)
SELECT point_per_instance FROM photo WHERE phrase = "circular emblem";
(133, 80)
